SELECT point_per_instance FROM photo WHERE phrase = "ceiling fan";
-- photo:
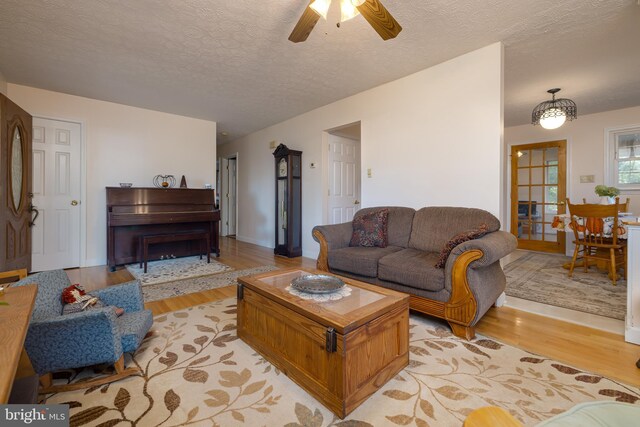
(372, 10)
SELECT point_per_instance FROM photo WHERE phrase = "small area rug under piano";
(181, 276)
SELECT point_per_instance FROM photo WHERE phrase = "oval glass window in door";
(16, 167)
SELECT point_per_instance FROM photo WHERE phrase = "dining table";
(562, 222)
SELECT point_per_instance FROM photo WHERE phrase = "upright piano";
(135, 212)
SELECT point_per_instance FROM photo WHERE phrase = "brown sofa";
(460, 293)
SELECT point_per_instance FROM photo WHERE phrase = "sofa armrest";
(74, 340)
(126, 295)
(337, 235)
(494, 246)
(331, 237)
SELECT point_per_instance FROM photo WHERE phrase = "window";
(623, 158)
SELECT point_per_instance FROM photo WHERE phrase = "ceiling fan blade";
(380, 19)
(304, 26)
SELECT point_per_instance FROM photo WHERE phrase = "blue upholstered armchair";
(56, 341)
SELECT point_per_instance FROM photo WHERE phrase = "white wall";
(431, 138)
(125, 144)
(585, 149)
(3, 84)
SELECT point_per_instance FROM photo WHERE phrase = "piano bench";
(145, 241)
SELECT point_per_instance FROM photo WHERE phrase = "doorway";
(56, 233)
(343, 196)
(229, 195)
(538, 194)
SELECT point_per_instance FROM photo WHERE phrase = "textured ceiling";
(230, 60)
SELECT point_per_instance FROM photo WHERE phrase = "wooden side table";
(14, 322)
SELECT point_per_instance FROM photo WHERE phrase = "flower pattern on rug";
(169, 270)
(195, 371)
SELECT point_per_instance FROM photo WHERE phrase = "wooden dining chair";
(622, 207)
(596, 229)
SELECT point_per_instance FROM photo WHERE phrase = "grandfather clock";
(288, 202)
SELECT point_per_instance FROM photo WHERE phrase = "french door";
(538, 194)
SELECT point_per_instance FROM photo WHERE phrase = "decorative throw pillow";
(370, 229)
(459, 238)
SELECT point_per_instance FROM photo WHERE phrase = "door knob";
(357, 202)
(561, 203)
(74, 203)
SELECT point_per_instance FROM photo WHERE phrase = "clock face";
(282, 167)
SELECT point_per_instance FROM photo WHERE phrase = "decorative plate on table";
(317, 284)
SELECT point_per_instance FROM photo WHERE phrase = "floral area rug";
(168, 270)
(195, 371)
(540, 277)
(198, 284)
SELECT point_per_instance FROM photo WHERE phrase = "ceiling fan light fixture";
(552, 114)
(321, 7)
(348, 10)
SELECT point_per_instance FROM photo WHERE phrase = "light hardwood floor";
(582, 347)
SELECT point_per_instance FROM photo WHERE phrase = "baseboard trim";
(263, 243)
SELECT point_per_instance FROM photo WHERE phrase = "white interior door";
(344, 179)
(56, 194)
(233, 164)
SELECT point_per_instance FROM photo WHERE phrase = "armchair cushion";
(48, 300)
(414, 268)
(126, 295)
(74, 340)
(359, 259)
(370, 229)
(133, 327)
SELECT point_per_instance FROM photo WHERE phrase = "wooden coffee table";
(340, 351)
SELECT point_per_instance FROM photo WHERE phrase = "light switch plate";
(369, 173)
(587, 178)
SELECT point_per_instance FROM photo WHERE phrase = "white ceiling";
(230, 60)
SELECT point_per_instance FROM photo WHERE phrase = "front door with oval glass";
(15, 187)
(538, 193)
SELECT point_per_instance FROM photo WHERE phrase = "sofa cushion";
(414, 268)
(398, 224)
(433, 226)
(359, 259)
(465, 236)
(370, 229)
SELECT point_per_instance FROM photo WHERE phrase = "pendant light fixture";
(552, 114)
